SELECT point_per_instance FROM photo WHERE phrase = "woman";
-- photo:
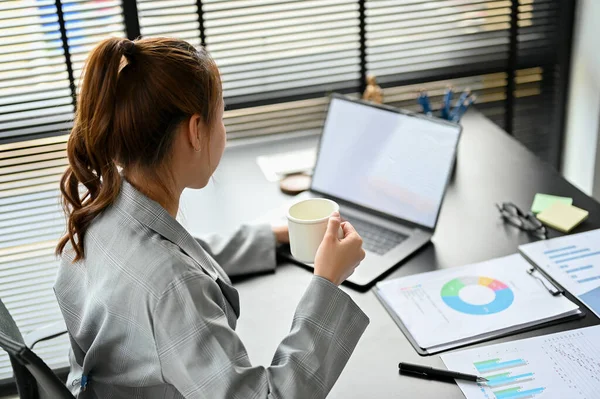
(150, 311)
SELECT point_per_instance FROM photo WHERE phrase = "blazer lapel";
(155, 217)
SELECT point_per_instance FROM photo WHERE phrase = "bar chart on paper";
(573, 261)
(576, 262)
(509, 379)
(562, 365)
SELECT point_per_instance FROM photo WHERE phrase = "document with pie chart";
(461, 305)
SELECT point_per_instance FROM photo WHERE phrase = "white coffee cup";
(307, 223)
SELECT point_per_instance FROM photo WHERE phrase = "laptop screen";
(390, 162)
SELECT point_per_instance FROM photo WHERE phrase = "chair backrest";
(26, 384)
(8, 325)
(34, 379)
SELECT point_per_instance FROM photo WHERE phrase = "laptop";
(389, 170)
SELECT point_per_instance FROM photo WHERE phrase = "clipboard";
(556, 284)
(550, 285)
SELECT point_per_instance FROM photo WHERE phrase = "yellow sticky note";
(562, 217)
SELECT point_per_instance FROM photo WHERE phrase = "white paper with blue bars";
(557, 366)
(573, 261)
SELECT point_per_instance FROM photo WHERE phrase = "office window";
(279, 60)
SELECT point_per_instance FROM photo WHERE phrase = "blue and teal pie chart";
(503, 298)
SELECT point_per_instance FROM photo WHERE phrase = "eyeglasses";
(525, 221)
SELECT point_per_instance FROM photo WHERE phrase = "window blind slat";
(27, 206)
(100, 7)
(32, 38)
(46, 16)
(50, 229)
(48, 214)
(13, 6)
(164, 5)
(107, 20)
(36, 308)
(12, 266)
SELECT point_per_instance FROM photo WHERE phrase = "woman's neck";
(154, 187)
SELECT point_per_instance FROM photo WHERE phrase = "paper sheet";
(573, 261)
(563, 365)
(460, 303)
(274, 167)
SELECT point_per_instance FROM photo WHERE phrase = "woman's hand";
(337, 258)
(281, 234)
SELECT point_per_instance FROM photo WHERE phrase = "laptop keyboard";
(376, 239)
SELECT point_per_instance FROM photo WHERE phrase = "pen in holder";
(447, 112)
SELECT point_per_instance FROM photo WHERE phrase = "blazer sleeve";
(250, 249)
(202, 357)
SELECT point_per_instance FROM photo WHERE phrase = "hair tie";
(128, 47)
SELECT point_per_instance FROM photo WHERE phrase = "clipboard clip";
(552, 289)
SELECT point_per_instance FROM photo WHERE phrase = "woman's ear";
(194, 132)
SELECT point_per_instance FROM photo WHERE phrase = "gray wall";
(581, 160)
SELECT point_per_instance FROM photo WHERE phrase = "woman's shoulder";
(125, 251)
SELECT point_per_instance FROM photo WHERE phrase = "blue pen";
(424, 101)
(463, 108)
(447, 101)
(459, 103)
(458, 112)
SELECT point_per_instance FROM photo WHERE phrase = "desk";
(491, 167)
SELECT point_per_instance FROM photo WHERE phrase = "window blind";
(536, 122)
(429, 45)
(35, 95)
(288, 117)
(270, 49)
(31, 221)
(411, 40)
(36, 98)
(418, 42)
(87, 23)
(172, 18)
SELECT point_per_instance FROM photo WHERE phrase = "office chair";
(34, 379)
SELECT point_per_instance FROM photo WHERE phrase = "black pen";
(430, 372)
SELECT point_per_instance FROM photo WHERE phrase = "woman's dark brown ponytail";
(130, 97)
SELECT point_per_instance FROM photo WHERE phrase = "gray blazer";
(151, 313)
